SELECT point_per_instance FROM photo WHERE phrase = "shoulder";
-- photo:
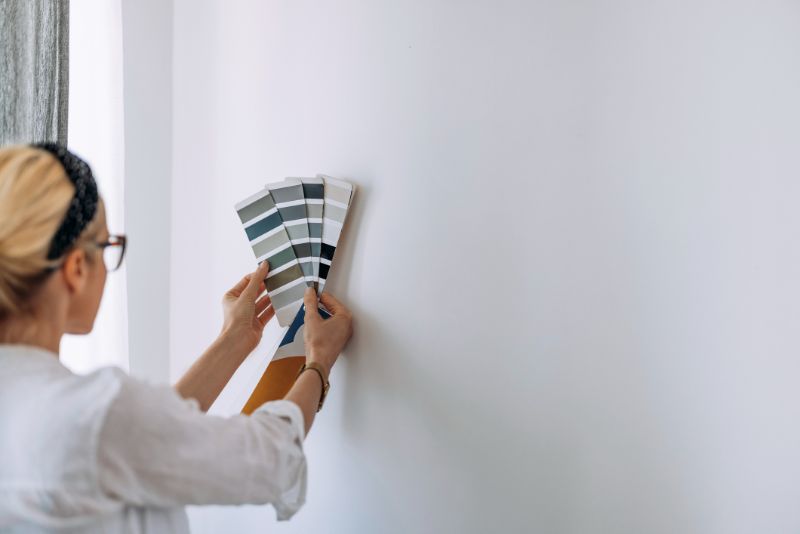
(55, 400)
(50, 420)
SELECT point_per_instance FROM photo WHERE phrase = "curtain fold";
(34, 70)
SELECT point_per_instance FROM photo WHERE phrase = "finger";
(239, 287)
(310, 300)
(268, 314)
(256, 279)
(333, 304)
(262, 304)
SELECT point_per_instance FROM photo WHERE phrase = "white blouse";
(104, 452)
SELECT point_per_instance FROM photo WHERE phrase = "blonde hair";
(35, 193)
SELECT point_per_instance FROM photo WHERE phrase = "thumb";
(253, 285)
(310, 301)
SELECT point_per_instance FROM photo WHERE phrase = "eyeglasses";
(113, 251)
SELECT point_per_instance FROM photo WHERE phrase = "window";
(96, 134)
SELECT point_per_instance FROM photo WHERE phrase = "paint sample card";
(314, 191)
(296, 225)
(270, 241)
(290, 201)
(336, 202)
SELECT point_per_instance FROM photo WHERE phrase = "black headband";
(83, 206)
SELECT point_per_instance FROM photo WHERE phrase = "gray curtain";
(34, 70)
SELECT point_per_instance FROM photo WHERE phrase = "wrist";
(234, 343)
(311, 357)
(311, 367)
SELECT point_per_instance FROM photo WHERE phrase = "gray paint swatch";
(290, 201)
(269, 241)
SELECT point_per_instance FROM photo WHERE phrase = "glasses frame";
(114, 240)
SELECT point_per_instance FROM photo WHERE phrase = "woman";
(104, 452)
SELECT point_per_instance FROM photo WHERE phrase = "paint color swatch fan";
(295, 225)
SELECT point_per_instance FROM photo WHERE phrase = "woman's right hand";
(325, 338)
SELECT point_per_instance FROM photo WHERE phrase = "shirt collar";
(8, 349)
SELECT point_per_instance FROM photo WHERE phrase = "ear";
(75, 270)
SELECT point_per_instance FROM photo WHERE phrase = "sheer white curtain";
(96, 134)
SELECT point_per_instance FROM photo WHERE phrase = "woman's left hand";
(245, 313)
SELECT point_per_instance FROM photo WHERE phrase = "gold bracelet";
(325, 384)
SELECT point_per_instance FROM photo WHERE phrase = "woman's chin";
(79, 330)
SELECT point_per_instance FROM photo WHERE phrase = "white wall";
(573, 256)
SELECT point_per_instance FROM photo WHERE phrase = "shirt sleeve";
(157, 449)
